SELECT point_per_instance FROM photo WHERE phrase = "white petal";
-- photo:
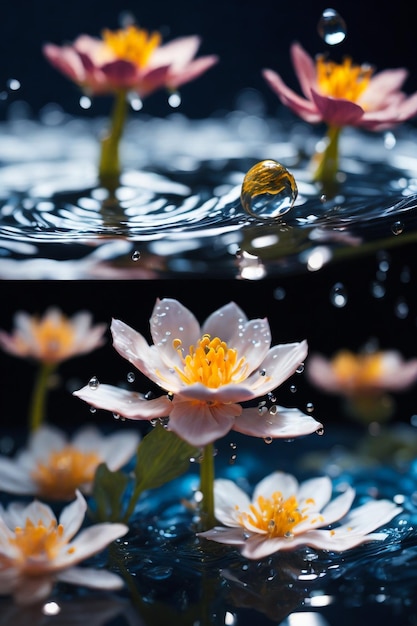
(14, 479)
(46, 439)
(229, 501)
(89, 577)
(320, 489)
(199, 423)
(90, 541)
(127, 403)
(133, 347)
(277, 481)
(279, 364)
(286, 423)
(119, 448)
(333, 512)
(32, 590)
(224, 323)
(229, 536)
(171, 320)
(72, 516)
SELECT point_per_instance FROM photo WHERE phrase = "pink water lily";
(339, 95)
(129, 59)
(284, 515)
(207, 372)
(344, 94)
(37, 550)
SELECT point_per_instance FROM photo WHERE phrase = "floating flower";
(36, 550)
(363, 379)
(54, 337)
(50, 339)
(207, 371)
(284, 515)
(342, 95)
(54, 466)
(123, 61)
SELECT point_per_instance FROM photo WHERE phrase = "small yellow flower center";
(64, 471)
(357, 371)
(36, 541)
(342, 80)
(274, 516)
(53, 337)
(132, 44)
(210, 362)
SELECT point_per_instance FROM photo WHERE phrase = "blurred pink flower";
(207, 371)
(129, 59)
(53, 338)
(344, 94)
(36, 550)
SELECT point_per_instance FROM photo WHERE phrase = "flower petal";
(285, 424)
(172, 320)
(127, 403)
(337, 111)
(229, 500)
(199, 423)
(277, 481)
(90, 577)
(279, 364)
(224, 323)
(33, 589)
(72, 516)
(89, 541)
(306, 109)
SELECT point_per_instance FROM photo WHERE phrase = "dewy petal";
(285, 424)
(126, 403)
(90, 577)
(199, 423)
(279, 364)
(229, 500)
(171, 320)
(225, 323)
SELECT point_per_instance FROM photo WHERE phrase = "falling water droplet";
(135, 255)
(93, 383)
(13, 84)
(338, 296)
(85, 102)
(131, 377)
(268, 440)
(174, 100)
(268, 190)
(397, 228)
(331, 27)
(309, 407)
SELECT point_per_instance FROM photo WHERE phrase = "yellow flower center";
(65, 471)
(274, 516)
(53, 338)
(36, 541)
(357, 371)
(342, 80)
(211, 362)
(132, 44)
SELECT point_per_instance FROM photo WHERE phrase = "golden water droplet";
(268, 191)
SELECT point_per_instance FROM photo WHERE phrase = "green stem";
(328, 162)
(39, 394)
(109, 165)
(208, 519)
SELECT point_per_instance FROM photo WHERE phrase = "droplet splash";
(331, 27)
(268, 190)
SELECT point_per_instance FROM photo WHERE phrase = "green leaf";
(108, 491)
(161, 457)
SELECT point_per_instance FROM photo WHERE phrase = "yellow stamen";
(274, 516)
(344, 80)
(64, 471)
(132, 44)
(35, 541)
(211, 362)
(357, 371)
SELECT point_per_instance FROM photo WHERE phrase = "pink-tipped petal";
(336, 111)
(305, 69)
(201, 424)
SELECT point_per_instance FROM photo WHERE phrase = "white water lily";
(54, 465)
(37, 550)
(284, 515)
(207, 372)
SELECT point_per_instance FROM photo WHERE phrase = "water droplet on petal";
(93, 383)
(268, 440)
(331, 27)
(320, 431)
(268, 190)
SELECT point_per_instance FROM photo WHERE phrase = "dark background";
(247, 35)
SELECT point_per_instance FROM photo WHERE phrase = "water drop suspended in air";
(174, 100)
(85, 102)
(135, 255)
(331, 27)
(131, 377)
(268, 190)
(338, 296)
(397, 228)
